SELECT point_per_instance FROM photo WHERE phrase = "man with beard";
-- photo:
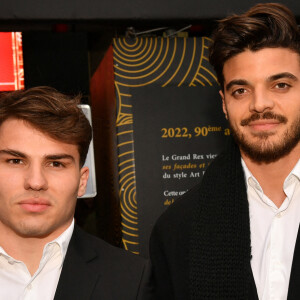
(234, 236)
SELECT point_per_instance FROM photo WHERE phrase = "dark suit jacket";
(93, 269)
(171, 252)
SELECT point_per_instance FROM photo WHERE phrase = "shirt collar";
(296, 170)
(251, 180)
(63, 240)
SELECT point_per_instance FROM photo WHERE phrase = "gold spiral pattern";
(142, 62)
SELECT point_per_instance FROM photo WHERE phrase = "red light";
(11, 61)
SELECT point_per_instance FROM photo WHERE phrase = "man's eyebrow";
(236, 82)
(282, 75)
(14, 153)
(59, 157)
(271, 78)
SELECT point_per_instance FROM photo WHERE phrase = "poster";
(177, 132)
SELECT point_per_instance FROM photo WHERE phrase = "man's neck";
(271, 176)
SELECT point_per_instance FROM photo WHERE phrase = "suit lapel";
(294, 286)
(78, 278)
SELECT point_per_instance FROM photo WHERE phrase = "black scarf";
(220, 247)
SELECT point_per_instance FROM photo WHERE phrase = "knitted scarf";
(220, 246)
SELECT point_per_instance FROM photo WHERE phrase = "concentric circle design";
(142, 62)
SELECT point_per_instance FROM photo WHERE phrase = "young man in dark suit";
(44, 140)
(234, 236)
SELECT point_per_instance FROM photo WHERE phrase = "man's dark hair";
(269, 25)
(51, 112)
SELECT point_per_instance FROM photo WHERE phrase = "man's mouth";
(35, 205)
(264, 124)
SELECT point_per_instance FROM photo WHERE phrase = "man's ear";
(223, 104)
(84, 176)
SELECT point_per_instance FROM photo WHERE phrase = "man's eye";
(282, 85)
(238, 92)
(56, 164)
(15, 161)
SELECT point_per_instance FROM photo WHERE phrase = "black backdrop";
(118, 10)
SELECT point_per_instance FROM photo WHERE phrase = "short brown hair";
(51, 112)
(269, 25)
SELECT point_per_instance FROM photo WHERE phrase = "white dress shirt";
(273, 235)
(16, 283)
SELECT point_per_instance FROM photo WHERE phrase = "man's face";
(40, 180)
(261, 100)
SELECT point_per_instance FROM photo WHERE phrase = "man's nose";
(35, 178)
(261, 101)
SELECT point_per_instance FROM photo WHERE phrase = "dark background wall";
(105, 10)
(58, 60)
